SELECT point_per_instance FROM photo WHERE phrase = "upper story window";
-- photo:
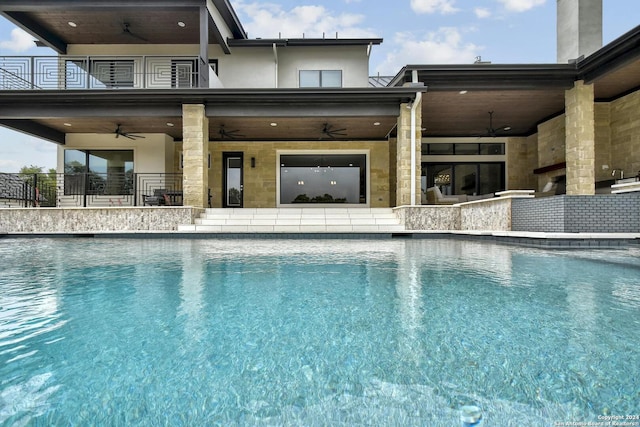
(320, 78)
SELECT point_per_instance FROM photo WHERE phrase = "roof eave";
(614, 55)
(302, 42)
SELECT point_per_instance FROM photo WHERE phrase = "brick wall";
(600, 213)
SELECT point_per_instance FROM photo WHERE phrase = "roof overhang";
(303, 42)
(301, 111)
(152, 21)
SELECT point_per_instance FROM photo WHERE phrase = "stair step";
(295, 220)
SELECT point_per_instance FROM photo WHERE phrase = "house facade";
(149, 96)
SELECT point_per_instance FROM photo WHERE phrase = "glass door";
(233, 176)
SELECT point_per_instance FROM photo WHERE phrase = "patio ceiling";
(240, 128)
(63, 22)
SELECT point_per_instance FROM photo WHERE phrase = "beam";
(24, 21)
(43, 5)
(34, 129)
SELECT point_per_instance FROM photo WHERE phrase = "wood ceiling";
(241, 129)
(108, 27)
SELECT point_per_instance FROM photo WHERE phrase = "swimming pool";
(329, 332)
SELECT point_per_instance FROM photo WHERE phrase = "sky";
(414, 32)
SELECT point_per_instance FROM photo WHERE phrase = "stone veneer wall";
(580, 139)
(90, 220)
(429, 218)
(551, 148)
(602, 114)
(600, 213)
(491, 214)
(625, 134)
(522, 159)
(260, 182)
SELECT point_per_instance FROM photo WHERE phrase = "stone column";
(195, 149)
(403, 158)
(580, 139)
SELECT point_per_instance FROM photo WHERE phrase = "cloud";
(482, 12)
(271, 20)
(433, 6)
(18, 149)
(20, 41)
(521, 5)
(444, 46)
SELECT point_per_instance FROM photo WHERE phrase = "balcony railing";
(90, 189)
(98, 72)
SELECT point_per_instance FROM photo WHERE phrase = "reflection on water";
(264, 332)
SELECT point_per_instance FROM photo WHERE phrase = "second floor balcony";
(102, 72)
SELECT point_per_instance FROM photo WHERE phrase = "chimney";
(579, 26)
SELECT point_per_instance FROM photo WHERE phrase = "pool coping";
(517, 238)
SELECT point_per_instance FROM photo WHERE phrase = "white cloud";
(433, 6)
(444, 46)
(20, 41)
(521, 5)
(482, 13)
(270, 20)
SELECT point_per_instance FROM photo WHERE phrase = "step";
(295, 220)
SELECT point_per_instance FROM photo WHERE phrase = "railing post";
(135, 189)
(33, 72)
(88, 82)
(86, 190)
(35, 191)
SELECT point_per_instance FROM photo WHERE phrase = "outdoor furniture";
(435, 197)
(159, 198)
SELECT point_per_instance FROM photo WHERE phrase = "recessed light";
(67, 124)
(72, 24)
(506, 128)
(170, 124)
(274, 124)
(376, 123)
(181, 24)
(462, 92)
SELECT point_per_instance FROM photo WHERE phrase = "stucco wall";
(352, 60)
(153, 154)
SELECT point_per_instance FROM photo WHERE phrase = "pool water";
(328, 332)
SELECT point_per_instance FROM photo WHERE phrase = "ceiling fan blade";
(126, 29)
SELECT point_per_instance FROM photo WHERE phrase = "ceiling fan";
(328, 130)
(493, 132)
(126, 30)
(229, 134)
(119, 132)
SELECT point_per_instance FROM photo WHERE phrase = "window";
(323, 178)
(464, 178)
(98, 172)
(320, 78)
(464, 149)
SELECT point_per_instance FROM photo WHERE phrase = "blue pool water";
(330, 332)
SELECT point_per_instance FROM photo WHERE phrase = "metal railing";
(98, 72)
(90, 189)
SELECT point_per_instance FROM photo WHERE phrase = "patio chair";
(159, 198)
(435, 197)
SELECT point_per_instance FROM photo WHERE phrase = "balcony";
(101, 72)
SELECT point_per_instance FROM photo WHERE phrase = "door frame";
(225, 161)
